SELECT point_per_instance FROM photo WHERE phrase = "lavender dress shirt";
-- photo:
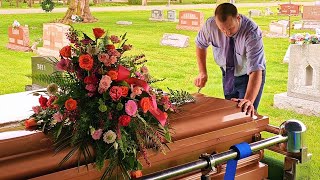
(248, 45)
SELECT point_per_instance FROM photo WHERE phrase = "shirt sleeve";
(254, 51)
(203, 38)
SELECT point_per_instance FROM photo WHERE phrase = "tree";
(79, 8)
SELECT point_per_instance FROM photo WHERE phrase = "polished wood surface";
(206, 126)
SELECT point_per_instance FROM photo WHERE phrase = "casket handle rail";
(291, 133)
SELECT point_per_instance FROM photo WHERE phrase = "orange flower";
(125, 90)
(136, 174)
(113, 75)
(98, 32)
(30, 122)
(86, 62)
(70, 104)
(66, 51)
(145, 104)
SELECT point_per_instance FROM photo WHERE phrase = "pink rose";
(114, 52)
(36, 109)
(96, 134)
(104, 84)
(131, 108)
(114, 39)
(115, 93)
(103, 57)
(135, 91)
(91, 87)
(144, 70)
(57, 116)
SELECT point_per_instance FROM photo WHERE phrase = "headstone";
(311, 25)
(277, 30)
(304, 72)
(190, 20)
(172, 15)
(289, 9)
(311, 13)
(175, 40)
(297, 25)
(54, 38)
(284, 23)
(303, 94)
(156, 15)
(42, 65)
(287, 55)
(254, 12)
(126, 23)
(18, 38)
(311, 17)
(268, 12)
(318, 31)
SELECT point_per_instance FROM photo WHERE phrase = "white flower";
(15, 24)
(115, 145)
(109, 137)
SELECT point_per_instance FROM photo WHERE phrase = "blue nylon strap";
(243, 150)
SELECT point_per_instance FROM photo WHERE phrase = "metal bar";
(214, 160)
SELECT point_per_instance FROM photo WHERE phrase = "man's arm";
(254, 84)
(202, 78)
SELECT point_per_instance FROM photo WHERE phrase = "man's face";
(230, 26)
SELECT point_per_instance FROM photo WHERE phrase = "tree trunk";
(64, 2)
(144, 2)
(80, 8)
(29, 3)
(71, 10)
(86, 13)
(0, 3)
(17, 3)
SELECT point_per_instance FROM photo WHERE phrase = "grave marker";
(172, 15)
(190, 20)
(289, 9)
(175, 40)
(54, 38)
(18, 38)
(42, 65)
(156, 15)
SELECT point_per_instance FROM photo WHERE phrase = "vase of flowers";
(101, 103)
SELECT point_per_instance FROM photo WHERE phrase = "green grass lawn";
(178, 66)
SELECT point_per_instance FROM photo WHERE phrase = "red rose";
(110, 46)
(50, 102)
(66, 51)
(98, 32)
(115, 93)
(30, 122)
(124, 120)
(70, 104)
(86, 62)
(91, 79)
(43, 102)
(136, 174)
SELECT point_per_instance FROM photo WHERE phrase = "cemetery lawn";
(178, 66)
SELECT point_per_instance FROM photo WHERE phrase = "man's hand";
(245, 105)
(201, 80)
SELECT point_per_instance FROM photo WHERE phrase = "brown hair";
(225, 10)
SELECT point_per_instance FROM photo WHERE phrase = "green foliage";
(134, 2)
(47, 5)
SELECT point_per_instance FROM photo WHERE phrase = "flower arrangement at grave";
(15, 24)
(305, 38)
(101, 104)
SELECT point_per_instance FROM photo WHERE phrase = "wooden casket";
(209, 125)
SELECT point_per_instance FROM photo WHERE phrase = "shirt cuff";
(256, 68)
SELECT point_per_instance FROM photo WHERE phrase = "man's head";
(227, 19)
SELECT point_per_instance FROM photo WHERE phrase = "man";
(237, 46)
